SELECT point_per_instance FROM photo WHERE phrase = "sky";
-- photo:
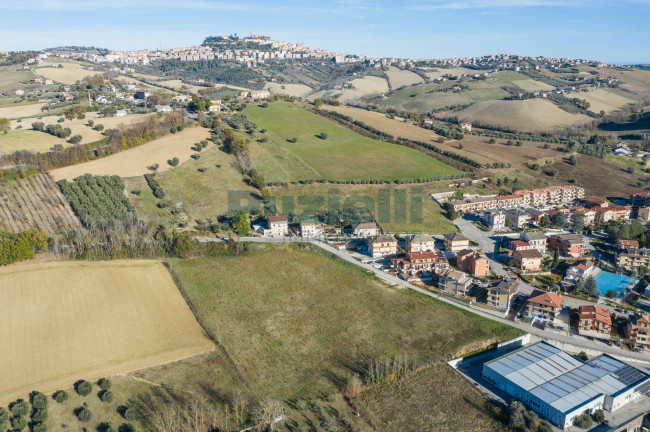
(612, 31)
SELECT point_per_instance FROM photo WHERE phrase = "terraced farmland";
(35, 202)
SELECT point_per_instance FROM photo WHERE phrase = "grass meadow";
(343, 155)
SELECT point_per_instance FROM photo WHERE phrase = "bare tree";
(268, 414)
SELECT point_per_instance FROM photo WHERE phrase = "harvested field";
(64, 321)
(180, 85)
(284, 329)
(26, 139)
(134, 162)
(524, 115)
(35, 202)
(399, 77)
(70, 73)
(296, 90)
(18, 111)
(361, 87)
(430, 400)
(603, 99)
(439, 72)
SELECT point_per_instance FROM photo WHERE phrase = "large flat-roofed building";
(559, 387)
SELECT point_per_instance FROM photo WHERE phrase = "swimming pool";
(609, 281)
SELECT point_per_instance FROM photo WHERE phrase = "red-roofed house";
(544, 306)
(528, 260)
(594, 321)
(613, 212)
(518, 245)
(278, 225)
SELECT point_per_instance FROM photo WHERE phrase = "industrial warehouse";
(559, 387)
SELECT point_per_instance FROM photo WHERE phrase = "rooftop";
(455, 237)
(529, 253)
(278, 218)
(562, 381)
(595, 313)
(546, 298)
(534, 235)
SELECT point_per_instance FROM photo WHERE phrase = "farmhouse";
(454, 282)
(544, 306)
(473, 262)
(456, 242)
(638, 330)
(559, 387)
(572, 245)
(365, 229)
(278, 225)
(528, 260)
(594, 321)
(382, 245)
(420, 243)
(215, 105)
(501, 293)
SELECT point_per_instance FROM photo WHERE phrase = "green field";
(11, 79)
(296, 323)
(343, 155)
(27, 139)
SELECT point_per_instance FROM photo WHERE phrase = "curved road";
(395, 281)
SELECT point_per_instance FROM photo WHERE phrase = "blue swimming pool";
(609, 281)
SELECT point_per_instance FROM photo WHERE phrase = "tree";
(559, 219)
(591, 286)
(173, 161)
(583, 356)
(578, 223)
(629, 169)
(610, 294)
(5, 125)
(580, 285)
(573, 160)
(106, 396)
(105, 384)
(240, 223)
(83, 388)
(18, 423)
(257, 180)
(268, 414)
(99, 127)
(545, 222)
(322, 136)
(39, 401)
(584, 421)
(76, 139)
(60, 396)
(85, 415)
(492, 141)
(318, 102)
(598, 416)
(516, 415)
(452, 214)
(19, 408)
(556, 257)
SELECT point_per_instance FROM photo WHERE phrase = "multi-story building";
(633, 258)
(455, 242)
(626, 244)
(501, 293)
(278, 225)
(615, 213)
(454, 282)
(419, 264)
(640, 199)
(643, 214)
(308, 228)
(594, 321)
(536, 240)
(518, 245)
(474, 204)
(506, 202)
(518, 217)
(521, 198)
(528, 260)
(420, 243)
(495, 219)
(572, 245)
(382, 245)
(637, 330)
(544, 306)
(473, 262)
(365, 229)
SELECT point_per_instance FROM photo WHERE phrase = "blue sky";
(614, 31)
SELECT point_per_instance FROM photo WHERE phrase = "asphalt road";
(395, 281)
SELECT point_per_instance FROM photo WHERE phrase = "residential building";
(419, 264)
(474, 204)
(382, 245)
(455, 242)
(632, 258)
(501, 293)
(588, 215)
(420, 243)
(559, 387)
(278, 225)
(466, 125)
(163, 109)
(612, 213)
(518, 245)
(625, 244)
(141, 95)
(551, 195)
(473, 262)
(507, 202)
(260, 94)
(519, 218)
(594, 321)
(536, 240)
(544, 306)
(454, 282)
(534, 215)
(592, 202)
(495, 219)
(120, 113)
(571, 245)
(640, 199)
(637, 330)
(579, 270)
(643, 214)
(528, 260)
(308, 228)
(365, 229)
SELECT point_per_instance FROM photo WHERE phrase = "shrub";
(173, 162)
(105, 384)
(85, 415)
(136, 192)
(39, 401)
(129, 414)
(99, 127)
(38, 126)
(153, 167)
(584, 421)
(196, 156)
(18, 423)
(60, 396)
(19, 408)
(4, 415)
(91, 123)
(598, 416)
(105, 427)
(202, 170)
(75, 139)
(293, 140)
(157, 190)
(39, 427)
(322, 136)
(83, 388)
(61, 120)
(106, 396)
(39, 416)
(126, 427)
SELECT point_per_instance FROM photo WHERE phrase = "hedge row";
(157, 190)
